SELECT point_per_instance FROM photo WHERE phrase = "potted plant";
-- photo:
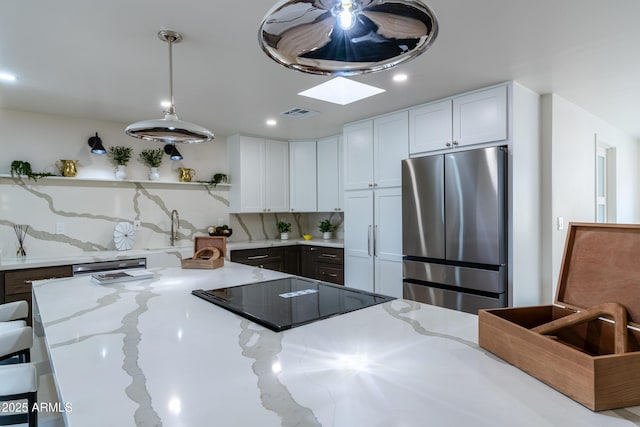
(153, 159)
(284, 228)
(326, 228)
(121, 156)
(22, 168)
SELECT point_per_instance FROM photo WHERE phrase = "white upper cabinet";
(476, 118)
(390, 148)
(276, 176)
(358, 155)
(373, 151)
(302, 176)
(480, 117)
(430, 127)
(259, 169)
(329, 157)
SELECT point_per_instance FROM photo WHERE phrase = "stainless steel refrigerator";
(454, 229)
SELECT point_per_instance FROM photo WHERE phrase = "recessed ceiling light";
(400, 78)
(341, 91)
(165, 104)
(271, 122)
(6, 77)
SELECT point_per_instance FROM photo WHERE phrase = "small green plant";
(284, 227)
(216, 179)
(326, 226)
(152, 158)
(120, 154)
(21, 168)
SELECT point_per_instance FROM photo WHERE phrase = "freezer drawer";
(494, 281)
(449, 299)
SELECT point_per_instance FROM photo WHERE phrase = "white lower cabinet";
(373, 240)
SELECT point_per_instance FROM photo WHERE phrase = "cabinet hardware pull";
(258, 257)
(28, 282)
(332, 275)
(455, 143)
(329, 255)
(375, 184)
(312, 249)
(370, 185)
(375, 241)
(448, 144)
(369, 240)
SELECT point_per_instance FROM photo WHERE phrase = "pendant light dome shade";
(170, 129)
(346, 37)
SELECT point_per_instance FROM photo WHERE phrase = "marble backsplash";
(88, 211)
(262, 226)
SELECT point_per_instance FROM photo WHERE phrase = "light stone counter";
(156, 257)
(20, 263)
(150, 353)
(253, 244)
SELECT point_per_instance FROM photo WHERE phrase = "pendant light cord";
(170, 40)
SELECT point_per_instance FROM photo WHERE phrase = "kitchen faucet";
(175, 221)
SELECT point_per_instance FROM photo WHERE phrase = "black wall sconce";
(173, 152)
(96, 145)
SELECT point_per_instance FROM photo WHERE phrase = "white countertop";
(149, 352)
(184, 250)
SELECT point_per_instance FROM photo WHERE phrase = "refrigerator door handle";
(375, 240)
(369, 240)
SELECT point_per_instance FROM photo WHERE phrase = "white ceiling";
(102, 60)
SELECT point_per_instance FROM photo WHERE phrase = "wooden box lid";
(201, 242)
(601, 263)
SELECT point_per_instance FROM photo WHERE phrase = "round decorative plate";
(123, 236)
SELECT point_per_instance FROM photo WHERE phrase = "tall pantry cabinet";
(373, 152)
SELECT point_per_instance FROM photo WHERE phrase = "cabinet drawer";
(330, 273)
(19, 281)
(258, 257)
(324, 254)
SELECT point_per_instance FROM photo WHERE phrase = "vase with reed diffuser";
(21, 234)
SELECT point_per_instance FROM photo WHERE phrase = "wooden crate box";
(595, 362)
(208, 252)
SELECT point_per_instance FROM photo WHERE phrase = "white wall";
(89, 210)
(569, 135)
(41, 139)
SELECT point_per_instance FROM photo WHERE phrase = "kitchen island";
(149, 353)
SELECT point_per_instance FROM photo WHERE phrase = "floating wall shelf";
(53, 179)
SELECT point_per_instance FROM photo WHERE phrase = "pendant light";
(346, 37)
(169, 130)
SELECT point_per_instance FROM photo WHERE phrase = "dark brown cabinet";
(17, 283)
(269, 258)
(315, 262)
(322, 263)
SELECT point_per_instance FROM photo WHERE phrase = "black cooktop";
(293, 301)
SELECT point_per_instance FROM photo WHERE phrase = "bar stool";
(17, 310)
(16, 342)
(17, 383)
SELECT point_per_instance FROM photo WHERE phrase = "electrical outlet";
(59, 227)
(136, 224)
